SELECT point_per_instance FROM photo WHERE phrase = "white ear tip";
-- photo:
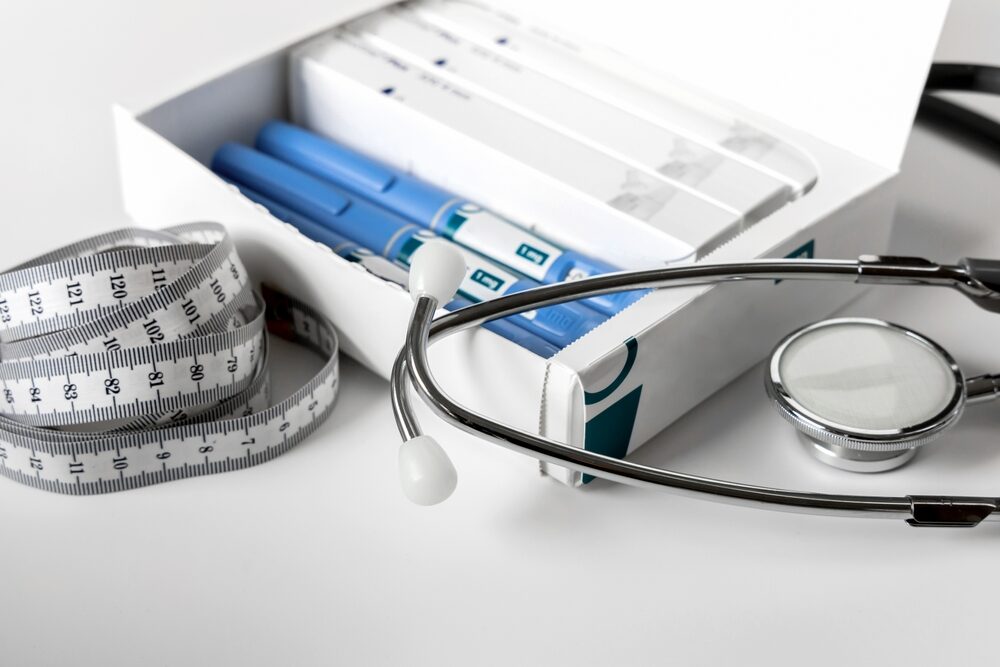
(436, 269)
(425, 471)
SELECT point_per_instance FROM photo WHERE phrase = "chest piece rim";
(851, 447)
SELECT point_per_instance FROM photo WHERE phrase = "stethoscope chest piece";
(864, 394)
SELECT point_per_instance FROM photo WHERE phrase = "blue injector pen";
(393, 237)
(390, 271)
(440, 211)
(375, 264)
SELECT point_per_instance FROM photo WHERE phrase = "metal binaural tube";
(402, 410)
(893, 271)
(982, 389)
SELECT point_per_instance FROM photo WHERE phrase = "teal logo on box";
(805, 251)
(487, 280)
(532, 254)
(610, 431)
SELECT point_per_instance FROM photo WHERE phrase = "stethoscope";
(863, 394)
(428, 476)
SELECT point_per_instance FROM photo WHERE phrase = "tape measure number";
(140, 356)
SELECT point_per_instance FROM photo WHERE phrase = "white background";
(315, 558)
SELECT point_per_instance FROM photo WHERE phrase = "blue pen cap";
(359, 174)
(370, 226)
(313, 230)
(575, 265)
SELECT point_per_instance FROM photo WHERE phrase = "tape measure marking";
(160, 373)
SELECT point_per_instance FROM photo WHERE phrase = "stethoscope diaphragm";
(864, 394)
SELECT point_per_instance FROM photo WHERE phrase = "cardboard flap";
(848, 72)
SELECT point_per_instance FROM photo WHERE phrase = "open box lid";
(848, 72)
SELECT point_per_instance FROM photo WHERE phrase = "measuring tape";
(138, 357)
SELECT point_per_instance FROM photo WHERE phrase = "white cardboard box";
(841, 80)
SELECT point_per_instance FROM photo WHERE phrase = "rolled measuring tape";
(137, 357)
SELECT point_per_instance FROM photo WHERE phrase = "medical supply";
(349, 250)
(392, 236)
(577, 191)
(138, 357)
(886, 392)
(387, 270)
(608, 76)
(443, 213)
(648, 146)
(865, 395)
(627, 379)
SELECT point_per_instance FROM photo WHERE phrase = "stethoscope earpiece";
(864, 394)
(436, 270)
(426, 474)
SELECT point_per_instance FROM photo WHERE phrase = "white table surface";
(315, 558)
